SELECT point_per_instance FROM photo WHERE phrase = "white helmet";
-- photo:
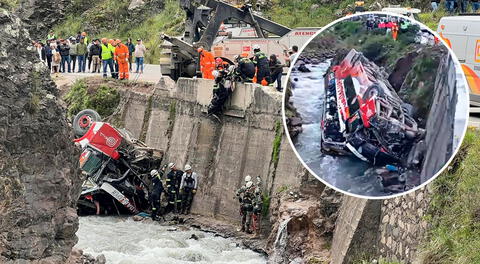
(256, 47)
(249, 184)
(154, 173)
(188, 167)
(171, 165)
(248, 178)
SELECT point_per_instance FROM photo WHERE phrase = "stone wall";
(403, 225)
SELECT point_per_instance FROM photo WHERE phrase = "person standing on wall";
(131, 49)
(207, 63)
(139, 53)
(188, 187)
(261, 62)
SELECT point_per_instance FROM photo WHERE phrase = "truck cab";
(462, 34)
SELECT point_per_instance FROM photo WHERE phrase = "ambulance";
(462, 34)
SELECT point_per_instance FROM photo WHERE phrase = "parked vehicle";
(462, 34)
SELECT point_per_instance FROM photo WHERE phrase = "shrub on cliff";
(102, 98)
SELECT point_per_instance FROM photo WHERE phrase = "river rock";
(39, 179)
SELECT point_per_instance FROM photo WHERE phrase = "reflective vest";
(107, 51)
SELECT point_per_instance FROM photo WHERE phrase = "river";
(124, 241)
(343, 172)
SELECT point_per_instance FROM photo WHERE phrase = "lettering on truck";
(305, 33)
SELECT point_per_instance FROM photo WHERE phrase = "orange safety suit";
(121, 57)
(395, 31)
(207, 64)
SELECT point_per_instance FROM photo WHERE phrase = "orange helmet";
(111, 41)
(218, 60)
(118, 41)
(244, 55)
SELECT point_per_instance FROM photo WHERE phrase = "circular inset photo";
(376, 105)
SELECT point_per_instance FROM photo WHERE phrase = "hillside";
(118, 18)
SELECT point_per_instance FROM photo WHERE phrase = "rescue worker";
(221, 65)
(113, 43)
(85, 38)
(107, 57)
(246, 68)
(156, 193)
(261, 62)
(246, 197)
(207, 63)
(221, 91)
(188, 187)
(173, 185)
(121, 58)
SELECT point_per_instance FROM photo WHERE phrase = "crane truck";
(226, 30)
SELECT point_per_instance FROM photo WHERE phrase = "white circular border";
(457, 64)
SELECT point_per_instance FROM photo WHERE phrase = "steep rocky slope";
(39, 182)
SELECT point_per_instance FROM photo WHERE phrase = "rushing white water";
(124, 241)
(280, 244)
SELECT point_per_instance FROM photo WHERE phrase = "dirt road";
(150, 74)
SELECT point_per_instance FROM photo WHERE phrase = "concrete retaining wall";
(222, 154)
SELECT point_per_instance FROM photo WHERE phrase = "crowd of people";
(82, 55)
(461, 6)
(257, 69)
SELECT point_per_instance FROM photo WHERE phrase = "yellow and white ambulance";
(462, 34)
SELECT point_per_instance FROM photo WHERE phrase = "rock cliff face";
(41, 15)
(39, 182)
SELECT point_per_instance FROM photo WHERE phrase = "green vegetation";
(265, 204)
(277, 142)
(103, 99)
(454, 211)
(8, 4)
(281, 189)
(110, 19)
(380, 261)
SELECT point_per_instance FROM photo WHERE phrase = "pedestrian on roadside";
(73, 53)
(51, 36)
(434, 5)
(462, 5)
(276, 71)
(139, 53)
(475, 5)
(56, 58)
(113, 43)
(131, 49)
(64, 50)
(95, 53)
(107, 57)
(450, 5)
(49, 55)
(41, 51)
(121, 58)
(81, 53)
(88, 56)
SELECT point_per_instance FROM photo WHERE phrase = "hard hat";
(111, 41)
(199, 49)
(215, 73)
(188, 167)
(249, 184)
(218, 60)
(248, 178)
(153, 173)
(118, 41)
(244, 55)
(256, 47)
(171, 165)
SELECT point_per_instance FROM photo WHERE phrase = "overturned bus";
(363, 115)
(116, 167)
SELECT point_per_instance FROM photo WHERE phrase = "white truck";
(462, 34)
